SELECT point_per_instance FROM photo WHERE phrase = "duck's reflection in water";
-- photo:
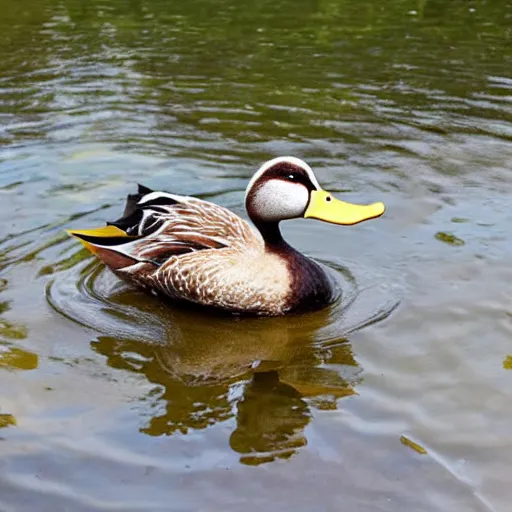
(266, 374)
(271, 417)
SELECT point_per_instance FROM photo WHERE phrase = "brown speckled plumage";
(225, 262)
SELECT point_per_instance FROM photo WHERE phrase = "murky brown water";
(110, 400)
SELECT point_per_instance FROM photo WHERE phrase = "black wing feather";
(133, 212)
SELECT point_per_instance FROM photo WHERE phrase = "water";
(110, 400)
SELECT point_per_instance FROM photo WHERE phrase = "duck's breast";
(252, 281)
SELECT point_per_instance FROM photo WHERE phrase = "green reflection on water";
(11, 331)
(247, 70)
(14, 358)
(65, 263)
(7, 420)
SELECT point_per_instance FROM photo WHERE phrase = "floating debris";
(507, 363)
(411, 444)
(448, 238)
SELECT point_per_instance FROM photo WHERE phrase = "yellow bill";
(323, 206)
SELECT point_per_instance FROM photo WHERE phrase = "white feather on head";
(280, 159)
(277, 199)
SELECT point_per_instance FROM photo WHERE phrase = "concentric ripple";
(91, 295)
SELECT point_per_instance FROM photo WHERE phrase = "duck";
(194, 251)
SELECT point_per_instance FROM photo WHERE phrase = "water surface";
(111, 400)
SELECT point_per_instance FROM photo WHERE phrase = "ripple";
(157, 89)
(91, 295)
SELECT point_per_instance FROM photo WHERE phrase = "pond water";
(398, 397)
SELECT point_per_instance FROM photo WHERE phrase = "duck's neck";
(271, 234)
(310, 287)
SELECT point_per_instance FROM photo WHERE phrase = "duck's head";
(286, 188)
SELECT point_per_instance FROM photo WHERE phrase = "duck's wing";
(156, 226)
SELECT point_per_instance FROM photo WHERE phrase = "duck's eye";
(292, 177)
(328, 198)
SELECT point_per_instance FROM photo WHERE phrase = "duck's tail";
(105, 243)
